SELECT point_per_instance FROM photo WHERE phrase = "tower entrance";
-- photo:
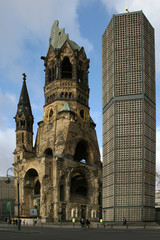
(83, 211)
(78, 188)
(32, 190)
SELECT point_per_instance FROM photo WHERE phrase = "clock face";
(49, 115)
(83, 113)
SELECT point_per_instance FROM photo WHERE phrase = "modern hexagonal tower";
(129, 123)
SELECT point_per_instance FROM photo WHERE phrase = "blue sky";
(25, 29)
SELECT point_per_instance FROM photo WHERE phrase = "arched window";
(66, 95)
(48, 152)
(73, 212)
(62, 95)
(66, 68)
(93, 214)
(81, 153)
(22, 123)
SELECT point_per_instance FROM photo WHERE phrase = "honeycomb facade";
(128, 118)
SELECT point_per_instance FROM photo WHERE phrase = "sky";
(25, 27)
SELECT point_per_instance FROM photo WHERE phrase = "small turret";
(24, 120)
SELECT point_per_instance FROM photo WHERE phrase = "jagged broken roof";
(58, 37)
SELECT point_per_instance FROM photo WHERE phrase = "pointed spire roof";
(24, 102)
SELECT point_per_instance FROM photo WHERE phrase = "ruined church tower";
(60, 177)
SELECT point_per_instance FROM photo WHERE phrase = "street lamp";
(8, 181)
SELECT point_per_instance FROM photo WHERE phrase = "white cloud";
(29, 22)
(7, 146)
(8, 104)
(151, 9)
(26, 27)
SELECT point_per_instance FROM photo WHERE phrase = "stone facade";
(129, 128)
(60, 175)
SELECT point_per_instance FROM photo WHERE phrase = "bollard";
(73, 221)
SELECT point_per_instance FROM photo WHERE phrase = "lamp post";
(8, 181)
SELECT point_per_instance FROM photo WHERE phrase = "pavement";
(94, 226)
(70, 232)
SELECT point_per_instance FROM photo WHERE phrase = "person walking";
(124, 221)
(82, 222)
(87, 222)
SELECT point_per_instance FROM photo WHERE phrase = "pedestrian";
(87, 222)
(82, 222)
(124, 221)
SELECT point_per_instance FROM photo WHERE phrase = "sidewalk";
(94, 226)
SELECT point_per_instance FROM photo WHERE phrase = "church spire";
(24, 102)
(24, 119)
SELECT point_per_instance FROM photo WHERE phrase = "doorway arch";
(32, 190)
(78, 187)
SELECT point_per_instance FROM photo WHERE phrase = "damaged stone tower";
(60, 177)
